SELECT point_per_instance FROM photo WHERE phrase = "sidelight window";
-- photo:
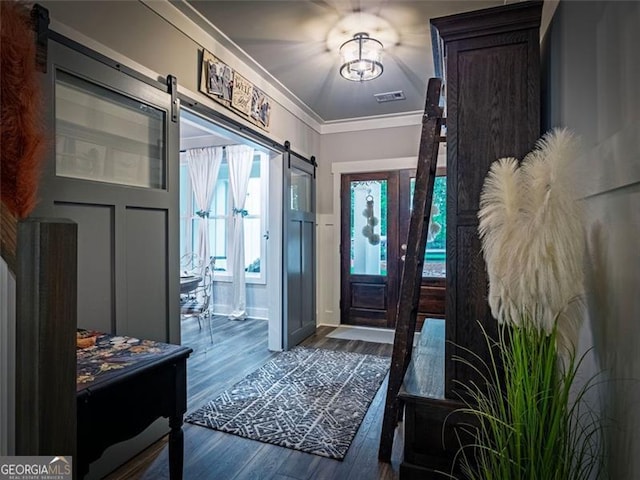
(436, 254)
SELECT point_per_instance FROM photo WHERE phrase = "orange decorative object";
(84, 341)
(21, 136)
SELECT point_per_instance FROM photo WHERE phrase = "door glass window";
(300, 191)
(369, 227)
(436, 254)
(104, 136)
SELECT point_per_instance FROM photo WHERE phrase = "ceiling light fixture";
(361, 58)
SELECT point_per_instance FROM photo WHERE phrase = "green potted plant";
(530, 419)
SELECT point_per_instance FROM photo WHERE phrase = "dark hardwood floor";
(239, 348)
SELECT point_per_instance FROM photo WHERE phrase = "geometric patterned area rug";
(307, 399)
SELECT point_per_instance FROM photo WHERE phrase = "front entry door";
(375, 215)
(369, 246)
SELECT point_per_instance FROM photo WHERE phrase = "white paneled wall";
(7, 359)
(327, 276)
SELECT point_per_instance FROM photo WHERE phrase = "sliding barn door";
(113, 169)
(299, 251)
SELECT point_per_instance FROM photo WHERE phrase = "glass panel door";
(375, 216)
(113, 170)
(300, 190)
(369, 249)
(104, 136)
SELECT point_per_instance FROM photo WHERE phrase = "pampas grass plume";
(532, 238)
(499, 206)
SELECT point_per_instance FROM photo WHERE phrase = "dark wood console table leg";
(176, 448)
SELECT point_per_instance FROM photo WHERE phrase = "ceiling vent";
(389, 96)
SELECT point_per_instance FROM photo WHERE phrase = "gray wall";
(170, 46)
(592, 85)
(163, 45)
(7, 359)
(363, 145)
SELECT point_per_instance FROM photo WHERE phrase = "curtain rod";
(223, 147)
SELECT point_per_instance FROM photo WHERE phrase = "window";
(436, 254)
(104, 136)
(368, 228)
(220, 219)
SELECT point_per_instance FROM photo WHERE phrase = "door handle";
(403, 247)
(403, 257)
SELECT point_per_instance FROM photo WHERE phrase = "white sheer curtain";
(240, 159)
(204, 165)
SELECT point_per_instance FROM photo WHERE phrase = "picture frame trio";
(226, 86)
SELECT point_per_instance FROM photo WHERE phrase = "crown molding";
(371, 123)
(224, 47)
(191, 23)
(92, 44)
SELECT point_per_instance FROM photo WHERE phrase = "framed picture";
(217, 78)
(226, 86)
(241, 97)
(260, 108)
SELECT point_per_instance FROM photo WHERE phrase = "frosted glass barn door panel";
(104, 136)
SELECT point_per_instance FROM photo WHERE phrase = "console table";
(123, 385)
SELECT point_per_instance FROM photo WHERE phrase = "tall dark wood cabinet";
(492, 64)
(492, 80)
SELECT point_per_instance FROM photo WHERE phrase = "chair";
(197, 303)
(191, 262)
